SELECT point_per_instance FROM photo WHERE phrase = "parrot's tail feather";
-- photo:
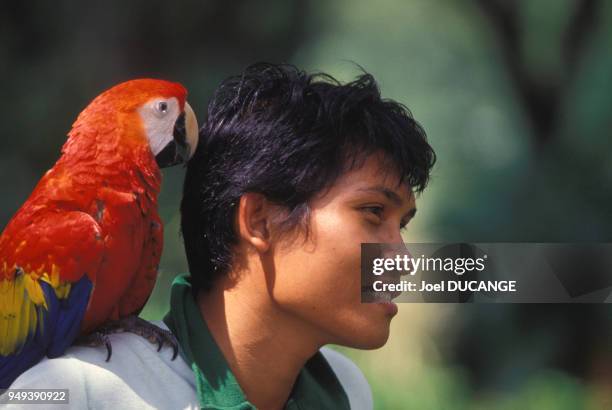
(72, 310)
(58, 326)
(12, 366)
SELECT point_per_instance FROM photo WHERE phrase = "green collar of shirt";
(316, 387)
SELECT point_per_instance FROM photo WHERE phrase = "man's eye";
(376, 210)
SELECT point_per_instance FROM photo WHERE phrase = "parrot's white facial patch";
(158, 117)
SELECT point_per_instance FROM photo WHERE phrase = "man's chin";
(373, 337)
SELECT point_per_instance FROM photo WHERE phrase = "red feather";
(95, 212)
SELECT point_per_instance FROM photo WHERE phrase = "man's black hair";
(281, 132)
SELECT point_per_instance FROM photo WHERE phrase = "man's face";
(319, 281)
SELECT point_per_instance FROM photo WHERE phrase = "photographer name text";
(446, 286)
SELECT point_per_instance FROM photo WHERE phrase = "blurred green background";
(516, 97)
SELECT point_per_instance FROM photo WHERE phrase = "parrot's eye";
(162, 107)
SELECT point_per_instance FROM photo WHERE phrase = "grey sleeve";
(352, 379)
(61, 373)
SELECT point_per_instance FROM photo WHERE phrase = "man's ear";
(254, 220)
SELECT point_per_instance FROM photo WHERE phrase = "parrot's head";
(159, 109)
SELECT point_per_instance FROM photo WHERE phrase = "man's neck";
(265, 347)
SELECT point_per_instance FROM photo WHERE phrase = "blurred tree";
(549, 50)
(542, 44)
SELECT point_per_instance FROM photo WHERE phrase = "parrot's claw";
(132, 324)
(149, 331)
(154, 335)
(95, 339)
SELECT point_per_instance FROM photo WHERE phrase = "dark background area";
(516, 98)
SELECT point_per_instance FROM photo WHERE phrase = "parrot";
(79, 258)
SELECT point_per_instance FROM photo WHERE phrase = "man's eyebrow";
(391, 195)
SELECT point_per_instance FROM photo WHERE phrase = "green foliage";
(508, 169)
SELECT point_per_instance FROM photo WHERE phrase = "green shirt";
(316, 387)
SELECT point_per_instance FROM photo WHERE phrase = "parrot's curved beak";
(185, 140)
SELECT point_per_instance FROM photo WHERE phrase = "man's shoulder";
(128, 350)
(351, 378)
(136, 376)
(136, 370)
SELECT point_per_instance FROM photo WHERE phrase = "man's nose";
(392, 236)
(391, 250)
(395, 246)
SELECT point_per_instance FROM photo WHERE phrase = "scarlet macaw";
(84, 248)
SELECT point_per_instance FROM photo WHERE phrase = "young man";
(293, 172)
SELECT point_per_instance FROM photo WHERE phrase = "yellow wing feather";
(22, 302)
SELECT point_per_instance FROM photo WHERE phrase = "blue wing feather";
(58, 327)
